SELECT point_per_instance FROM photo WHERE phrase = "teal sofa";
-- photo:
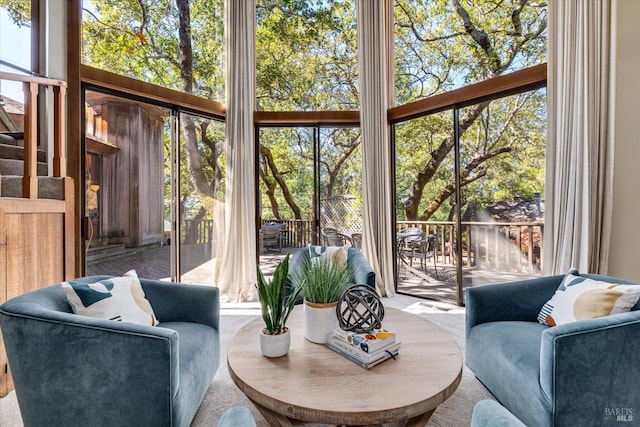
(583, 373)
(71, 370)
(362, 270)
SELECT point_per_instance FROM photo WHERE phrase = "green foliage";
(306, 59)
(306, 55)
(276, 305)
(323, 281)
(19, 11)
(435, 50)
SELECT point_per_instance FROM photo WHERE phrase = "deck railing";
(513, 247)
(31, 87)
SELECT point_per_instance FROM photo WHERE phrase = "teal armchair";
(71, 370)
(584, 373)
(362, 270)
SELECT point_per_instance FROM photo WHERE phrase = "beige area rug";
(222, 394)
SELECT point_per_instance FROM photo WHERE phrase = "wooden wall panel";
(36, 250)
(36, 258)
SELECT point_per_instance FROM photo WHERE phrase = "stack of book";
(364, 349)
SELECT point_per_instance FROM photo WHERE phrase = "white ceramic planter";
(275, 345)
(319, 321)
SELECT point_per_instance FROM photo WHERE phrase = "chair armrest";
(590, 368)
(180, 302)
(362, 270)
(521, 300)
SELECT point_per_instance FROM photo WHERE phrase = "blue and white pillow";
(118, 298)
(335, 254)
(579, 298)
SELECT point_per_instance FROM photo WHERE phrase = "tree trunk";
(194, 162)
(268, 156)
(412, 205)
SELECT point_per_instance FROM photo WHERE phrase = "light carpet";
(222, 394)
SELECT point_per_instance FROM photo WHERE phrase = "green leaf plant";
(276, 304)
(323, 281)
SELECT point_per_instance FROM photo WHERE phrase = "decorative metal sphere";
(359, 309)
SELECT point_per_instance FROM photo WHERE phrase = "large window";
(469, 167)
(310, 181)
(442, 45)
(474, 194)
(177, 44)
(306, 55)
(154, 198)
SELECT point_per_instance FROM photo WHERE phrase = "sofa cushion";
(505, 357)
(337, 254)
(579, 298)
(116, 298)
(198, 360)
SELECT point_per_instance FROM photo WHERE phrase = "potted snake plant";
(275, 337)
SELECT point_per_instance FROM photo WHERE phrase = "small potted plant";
(275, 337)
(322, 282)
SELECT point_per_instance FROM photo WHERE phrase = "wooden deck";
(196, 267)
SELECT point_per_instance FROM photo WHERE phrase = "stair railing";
(31, 87)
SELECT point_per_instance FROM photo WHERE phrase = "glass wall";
(177, 44)
(200, 198)
(306, 55)
(154, 198)
(493, 169)
(502, 154)
(310, 183)
(425, 201)
(439, 47)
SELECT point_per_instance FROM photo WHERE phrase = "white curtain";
(378, 245)
(580, 138)
(237, 268)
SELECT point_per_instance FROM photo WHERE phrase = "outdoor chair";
(424, 249)
(333, 237)
(271, 236)
(406, 239)
(356, 240)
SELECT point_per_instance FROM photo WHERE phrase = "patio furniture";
(333, 237)
(566, 375)
(424, 249)
(327, 388)
(356, 240)
(407, 238)
(73, 370)
(271, 236)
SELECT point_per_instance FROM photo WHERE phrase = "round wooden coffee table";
(314, 384)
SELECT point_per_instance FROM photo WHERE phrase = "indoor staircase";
(12, 169)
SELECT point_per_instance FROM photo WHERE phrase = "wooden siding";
(36, 250)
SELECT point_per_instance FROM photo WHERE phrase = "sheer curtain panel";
(237, 269)
(378, 243)
(580, 138)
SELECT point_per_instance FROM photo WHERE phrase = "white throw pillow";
(335, 254)
(112, 299)
(579, 298)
